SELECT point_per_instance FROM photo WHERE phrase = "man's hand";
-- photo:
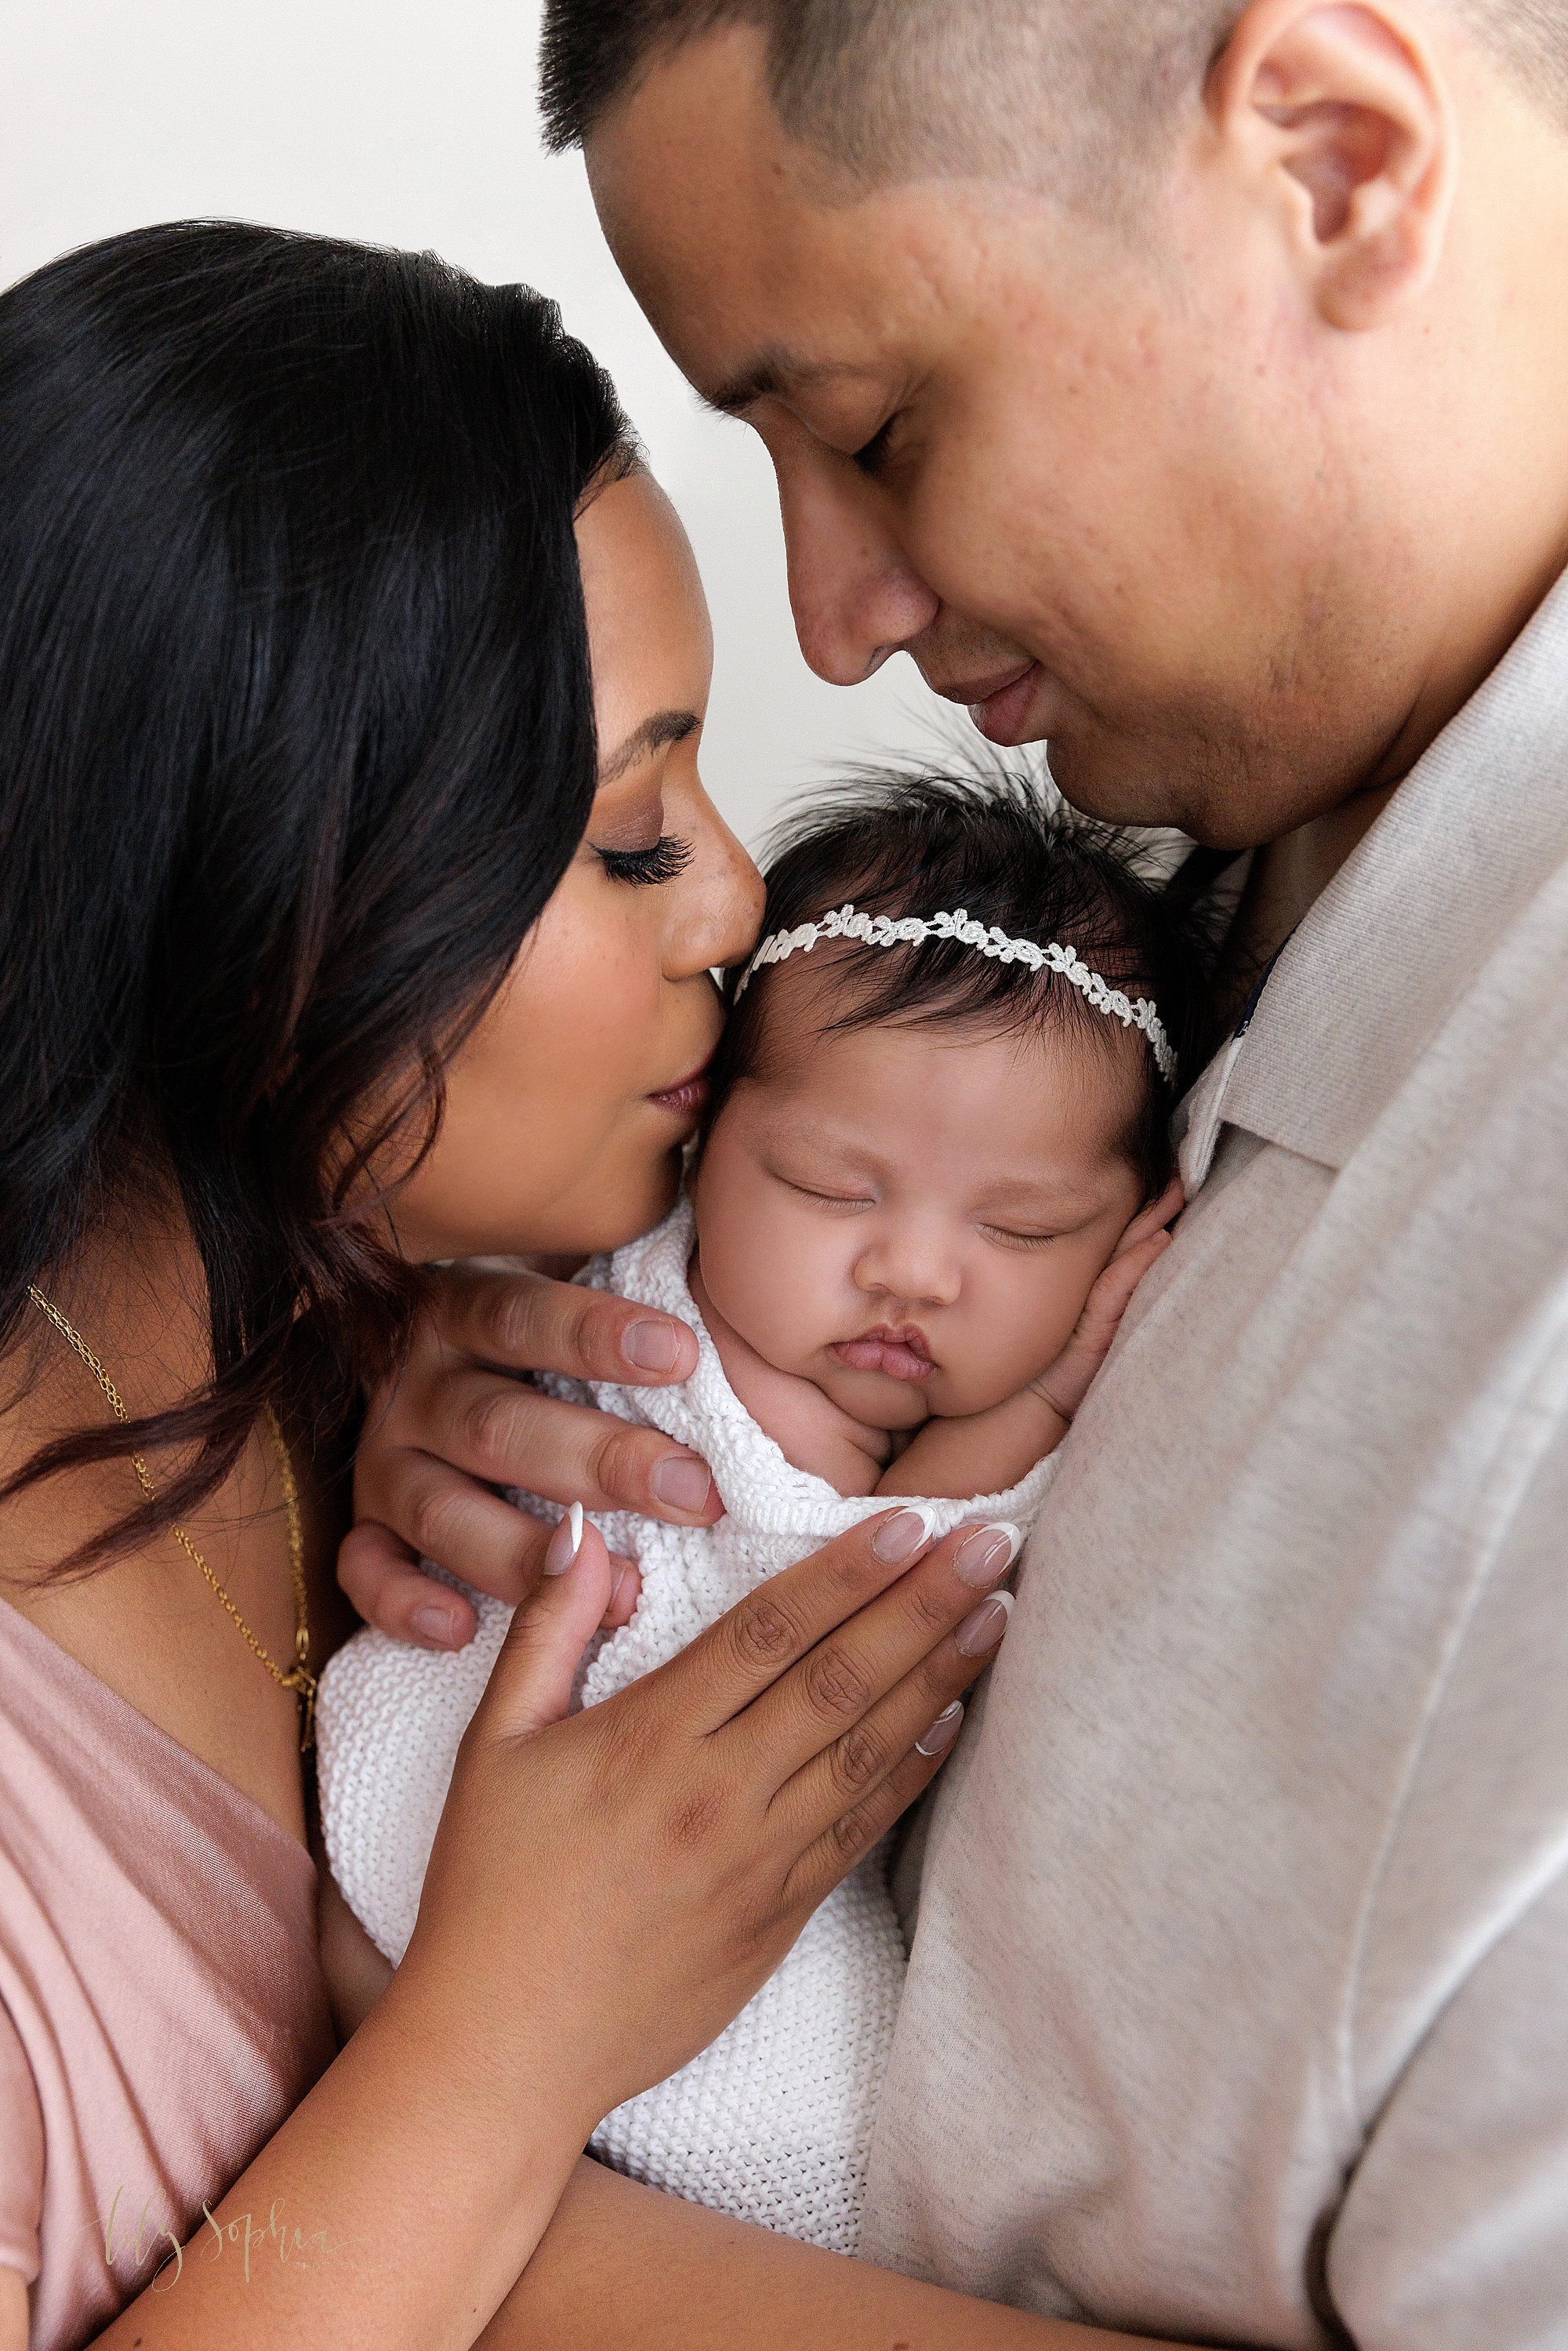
(461, 1422)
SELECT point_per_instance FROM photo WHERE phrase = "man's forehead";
(751, 251)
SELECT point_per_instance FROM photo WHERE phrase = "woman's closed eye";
(661, 861)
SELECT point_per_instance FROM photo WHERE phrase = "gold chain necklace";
(299, 1678)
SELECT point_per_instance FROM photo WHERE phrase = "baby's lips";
(893, 1357)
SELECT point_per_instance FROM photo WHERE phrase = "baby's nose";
(910, 1273)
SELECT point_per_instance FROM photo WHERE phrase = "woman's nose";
(854, 594)
(721, 899)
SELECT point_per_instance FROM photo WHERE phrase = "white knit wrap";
(772, 2123)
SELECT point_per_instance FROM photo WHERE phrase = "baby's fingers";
(1066, 1383)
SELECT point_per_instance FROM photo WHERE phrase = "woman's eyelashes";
(660, 862)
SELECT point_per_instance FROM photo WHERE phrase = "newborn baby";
(935, 1160)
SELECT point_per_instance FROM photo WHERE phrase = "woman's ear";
(1340, 115)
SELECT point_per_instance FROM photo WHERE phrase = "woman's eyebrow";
(664, 726)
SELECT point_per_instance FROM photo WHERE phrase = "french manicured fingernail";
(943, 1731)
(681, 1482)
(436, 1625)
(984, 1628)
(983, 1558)
(905, 1533)
(650, 1346)
(566, 1543)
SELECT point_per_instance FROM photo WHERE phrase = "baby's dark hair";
(1006, 848)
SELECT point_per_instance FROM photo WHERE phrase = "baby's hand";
(990, 1452)
(1064, 1384)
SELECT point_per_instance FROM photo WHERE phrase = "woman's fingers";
(507, 1433)
(381, 1577)
(834, 1699)
(530, 1324)
(531, 1680)
(763, 1636)
(924, 1710)
(851, 1836)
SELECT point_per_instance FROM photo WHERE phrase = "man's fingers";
(530, 1324)
(510, 1434)
(625, 1591)
(383, 1579)
(386, 1583)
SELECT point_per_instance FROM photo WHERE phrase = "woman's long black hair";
(296, 740)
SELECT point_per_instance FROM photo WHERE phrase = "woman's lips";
(1002, 715)
(686, 1100)
(900, 1353)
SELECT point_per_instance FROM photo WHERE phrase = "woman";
(331, 949)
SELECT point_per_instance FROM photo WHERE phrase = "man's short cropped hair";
(895, 90)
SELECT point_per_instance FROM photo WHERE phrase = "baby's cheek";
(1022, 1326)
(764, 1276)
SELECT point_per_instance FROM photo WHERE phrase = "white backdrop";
(412, 122)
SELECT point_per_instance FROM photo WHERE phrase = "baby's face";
(912, 1218)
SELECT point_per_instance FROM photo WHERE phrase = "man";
(1184, 382)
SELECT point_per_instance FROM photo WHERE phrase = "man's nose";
(852, 592)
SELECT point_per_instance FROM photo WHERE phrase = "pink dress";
(162, 2002)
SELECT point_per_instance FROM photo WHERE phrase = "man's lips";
(900, 1354)
(686, 1099)
(1002, 716)
(999, 702)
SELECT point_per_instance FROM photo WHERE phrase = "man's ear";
(1342, 114)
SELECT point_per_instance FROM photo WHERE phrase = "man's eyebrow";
(664, 726)
(775, 373)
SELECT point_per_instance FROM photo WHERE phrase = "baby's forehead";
(1018, 1107)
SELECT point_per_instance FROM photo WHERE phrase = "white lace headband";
(908, 930)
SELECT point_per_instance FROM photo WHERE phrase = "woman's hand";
(615, 1886)
(460, 1422)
